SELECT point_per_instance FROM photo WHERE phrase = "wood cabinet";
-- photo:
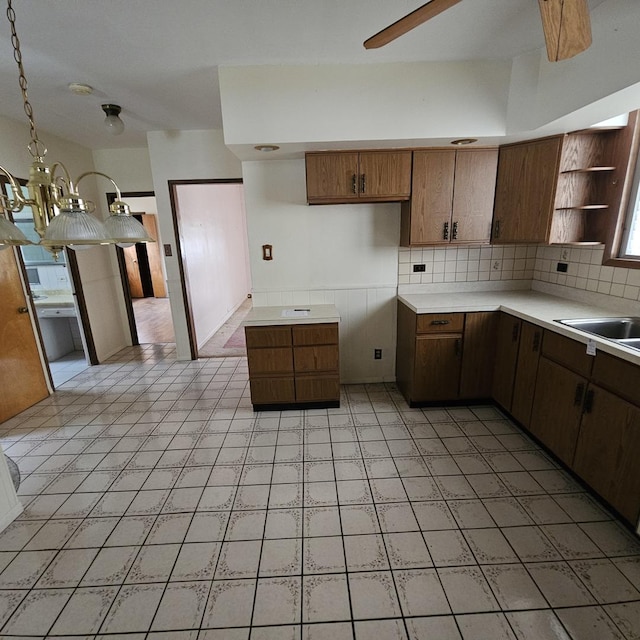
(444, 357)
(524, 381)
(452, 196)
(563, 189)
(506, 348)
(293, 365)
(358, 176)
(608, 450)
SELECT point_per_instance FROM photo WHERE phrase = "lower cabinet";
(506, 347)
(294, 364)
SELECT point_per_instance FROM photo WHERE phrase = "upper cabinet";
(452, 195)
(563, 189)
(351, 176)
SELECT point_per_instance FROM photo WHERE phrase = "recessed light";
(80, 89)
(462, 141)
(266, 148)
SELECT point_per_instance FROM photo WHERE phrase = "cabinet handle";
(445, 232)
(588, 402)
(496, 229)
(577, 398)
(363, 183)
(515, 332)
(454, 231)
(440, 322)
(536, 341)
(457, 348)
(354, 184)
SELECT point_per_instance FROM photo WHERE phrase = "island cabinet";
(293, 365)
(344, 177)
(452, 197)
(443, 357)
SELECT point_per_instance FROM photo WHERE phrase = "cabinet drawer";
(567, 352)
(317, 388)
(315, 334)
(267, 336)
(619, 376)
(270, 361)
(317, 358)
(440, 323)
(272, 390)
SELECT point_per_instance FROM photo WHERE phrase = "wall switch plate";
(562, 267)
(417, 268)
(167, 250)
(377, 354)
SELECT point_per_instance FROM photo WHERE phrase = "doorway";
(212, 248)
(143, 277)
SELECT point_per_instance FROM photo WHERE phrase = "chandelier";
(61, 217)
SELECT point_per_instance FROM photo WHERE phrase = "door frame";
(180, 255)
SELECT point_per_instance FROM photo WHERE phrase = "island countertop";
(294, 314)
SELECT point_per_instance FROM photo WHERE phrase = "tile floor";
(158, 505)
(67, 367)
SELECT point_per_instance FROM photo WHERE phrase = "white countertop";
(54, 299)
(295, 314)
(538, 308)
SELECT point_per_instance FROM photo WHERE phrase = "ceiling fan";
(566, 26)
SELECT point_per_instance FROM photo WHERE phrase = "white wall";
(130, 168)
(213, 236)
(98, 266)
(184, 155)
(341, 254)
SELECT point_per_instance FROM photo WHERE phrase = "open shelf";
(585, 207)
(589, 170)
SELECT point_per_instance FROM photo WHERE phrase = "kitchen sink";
(626, 331)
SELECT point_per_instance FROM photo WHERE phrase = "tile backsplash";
(518, 263)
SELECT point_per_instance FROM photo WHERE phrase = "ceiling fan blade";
(567, 27)
(410, 21)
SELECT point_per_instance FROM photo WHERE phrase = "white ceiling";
(159, 60)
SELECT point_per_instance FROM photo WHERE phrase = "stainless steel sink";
(623, 330)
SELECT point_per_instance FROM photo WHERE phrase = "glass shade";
(71, 226)
(125, 229)
(10, 234)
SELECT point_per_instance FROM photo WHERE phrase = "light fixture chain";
(36, 148)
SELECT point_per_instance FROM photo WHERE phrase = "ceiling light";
(266, 148)
(60, 216)
(80, 89)
(463, 141)
(114, 125)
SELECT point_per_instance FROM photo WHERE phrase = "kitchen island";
(293, 357)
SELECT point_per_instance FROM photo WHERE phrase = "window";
(630, 246)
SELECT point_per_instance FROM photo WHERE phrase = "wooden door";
(437, 368)
(431, 196)
(525, 190)
(133, 272)
(332, 175)
(526, 372)
(478, 354)
(473, 195)
(22, 377)
(385, 174)
(153, 253)
(608, 451)
(557, 408)
(507, 342)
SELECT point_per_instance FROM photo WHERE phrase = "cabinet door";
(332, 176)
(557, 408)
(265, 391)
(608, 451)
(315, 358)
(385, 174)
(525, 190)
(506, 348)
(478, 353)
(526, 372)
(473, 195)
(431, 196)
(270, 361)
(437, 368)
(318, 388)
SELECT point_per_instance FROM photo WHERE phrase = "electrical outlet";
(565, 254)
(377, 354)
(417, 268)
(496, 265)
(562, 267)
